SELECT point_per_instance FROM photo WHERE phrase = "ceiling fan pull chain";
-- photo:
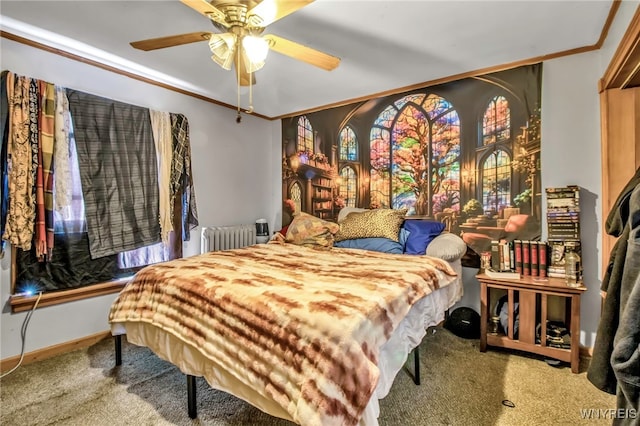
(237, 54)
(250, 110)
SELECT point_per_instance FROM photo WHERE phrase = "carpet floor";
(460, 386)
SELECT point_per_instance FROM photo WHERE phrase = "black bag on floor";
(464, 322)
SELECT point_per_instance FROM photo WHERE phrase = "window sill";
(25, 303)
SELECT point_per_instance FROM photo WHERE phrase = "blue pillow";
(403, 235)
(384, 245)
(421, 233)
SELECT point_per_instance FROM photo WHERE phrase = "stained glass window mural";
(348, 145)
(415, 155)
(296, 196)
(348, 186)
(465, 152)
(379, 153)
(305, 135)
(496, 181)
(496, 124)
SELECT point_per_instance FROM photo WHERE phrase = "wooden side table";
(532, 294)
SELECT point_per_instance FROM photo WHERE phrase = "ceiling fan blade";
(244, 77)
(269, 11)
(208, 10)
(169, 41)
(302, 53)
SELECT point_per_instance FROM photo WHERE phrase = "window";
(415, 155)
(305, 135)
(496, 181)
(71, 265)
(71, 262)
(348, 145)
(496, 124)
(348, 186)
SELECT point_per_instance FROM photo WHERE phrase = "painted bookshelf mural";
(465, 153)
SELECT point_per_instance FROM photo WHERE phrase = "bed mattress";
(373, 340)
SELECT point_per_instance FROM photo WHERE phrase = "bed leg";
(191, 397)
(416, 365)
(118, 342)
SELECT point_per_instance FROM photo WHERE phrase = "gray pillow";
(447, 246)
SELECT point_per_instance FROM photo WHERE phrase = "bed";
(312, 335)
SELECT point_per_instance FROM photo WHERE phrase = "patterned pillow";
(308, 230)
(377, 223)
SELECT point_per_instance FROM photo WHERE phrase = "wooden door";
(620, 149)
(620, 123)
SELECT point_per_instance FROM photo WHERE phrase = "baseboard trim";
(586, 352)
(51, 351)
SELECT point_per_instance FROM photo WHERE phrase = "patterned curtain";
(181, 175)
(118, 172)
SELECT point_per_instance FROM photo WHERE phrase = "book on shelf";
(518, 255)
(569, 189)
(533, 248)
(563, 202)
(507, 275)
(495, 254)
(505, 262)
(512, 255)
(563, 211)
(526, 257)
(542, 258)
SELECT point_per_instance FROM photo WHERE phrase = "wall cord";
(23, 335)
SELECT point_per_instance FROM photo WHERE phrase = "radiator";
(215, 238)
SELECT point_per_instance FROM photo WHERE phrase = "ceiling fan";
(240, 43)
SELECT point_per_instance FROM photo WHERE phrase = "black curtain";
(118, 172)
(69, 266)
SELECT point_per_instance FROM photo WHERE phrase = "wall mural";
(465, 153)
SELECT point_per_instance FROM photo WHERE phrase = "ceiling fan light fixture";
(252, 67)
(256, 49)
(226, 62)
(223, 46)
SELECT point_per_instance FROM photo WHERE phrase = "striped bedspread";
(302, 327)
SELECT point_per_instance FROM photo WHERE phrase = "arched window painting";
(348, 145)
(348, 186)
(415, 156)
(466, 153)
(496, 123)
(305, 135)
(496, 181)
(296, 196)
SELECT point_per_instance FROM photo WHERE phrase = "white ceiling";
(384, 45)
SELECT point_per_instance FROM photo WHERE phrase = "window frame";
(305, 136)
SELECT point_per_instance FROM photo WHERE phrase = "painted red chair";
(518, 227)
